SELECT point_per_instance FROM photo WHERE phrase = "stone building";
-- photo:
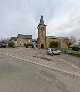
(44, 41)
(63, 42)
(50, 39)
(20, 40)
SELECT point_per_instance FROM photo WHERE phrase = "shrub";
(75, 48)
(29, 45)
(11, 44)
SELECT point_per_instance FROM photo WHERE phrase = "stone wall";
(21, 42)
(62, 42)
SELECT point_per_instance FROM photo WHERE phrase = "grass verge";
(70, 52)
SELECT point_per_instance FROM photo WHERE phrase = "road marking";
(56, 69)
(70, 64)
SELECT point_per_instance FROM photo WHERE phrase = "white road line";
(59, 70)
(70, 64)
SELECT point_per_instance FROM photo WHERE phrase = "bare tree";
(72, 39)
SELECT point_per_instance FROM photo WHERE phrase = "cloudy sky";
(62, 17)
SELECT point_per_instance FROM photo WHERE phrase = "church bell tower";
(41, 34)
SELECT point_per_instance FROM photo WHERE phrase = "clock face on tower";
(42, 32)
(42, 28)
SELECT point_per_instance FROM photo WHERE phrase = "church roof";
(13, 38)
(62, 38)
(24, 36)
(51, 37)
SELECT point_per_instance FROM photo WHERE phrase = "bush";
(11, 44)
(29, 45)
(75, 48)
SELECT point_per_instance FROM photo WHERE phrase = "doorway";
(42, 46)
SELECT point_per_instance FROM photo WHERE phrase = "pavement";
(32, 70)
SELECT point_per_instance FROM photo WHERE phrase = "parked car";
(53, 51)
(2, 45)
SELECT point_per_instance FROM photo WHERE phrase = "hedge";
(76, 48)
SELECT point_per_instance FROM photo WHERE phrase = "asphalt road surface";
(28, 70)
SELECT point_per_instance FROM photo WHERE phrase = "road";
(32, 70)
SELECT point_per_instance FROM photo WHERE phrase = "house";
(20, 40)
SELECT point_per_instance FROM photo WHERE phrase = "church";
(44, 41)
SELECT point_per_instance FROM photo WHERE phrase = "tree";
(71, 41)
(54, 44)
(11, 44)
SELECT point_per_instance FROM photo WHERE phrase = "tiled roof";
(51, 37)
(24, 36)
(13, 38)
(63, 38)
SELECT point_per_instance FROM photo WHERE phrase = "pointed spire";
(41, 20)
